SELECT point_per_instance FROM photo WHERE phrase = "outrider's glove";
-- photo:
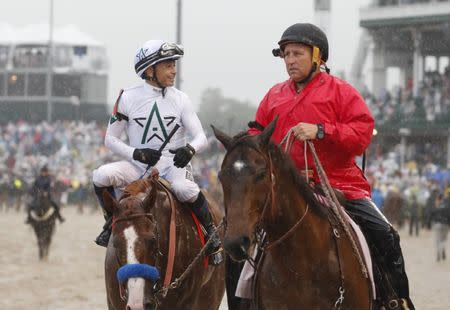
(147, 156)
(183, 155)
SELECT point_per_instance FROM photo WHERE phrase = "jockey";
(43, 183)
(331, 113)
(148, 113)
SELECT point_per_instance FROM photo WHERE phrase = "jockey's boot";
(201, 210)
(390, 249)
(103, 238)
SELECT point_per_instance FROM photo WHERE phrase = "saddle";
(376, 270)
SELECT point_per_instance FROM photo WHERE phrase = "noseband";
(128, 271)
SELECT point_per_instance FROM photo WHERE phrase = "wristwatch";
(320, 132)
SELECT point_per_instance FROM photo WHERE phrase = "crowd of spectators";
(73, 149)
(70, 149)
(431, 104)
(400, 2)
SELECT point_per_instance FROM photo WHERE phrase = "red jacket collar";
(316, 81)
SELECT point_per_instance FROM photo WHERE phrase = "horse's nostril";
(128, 308)
(237, 247)
(245, 242)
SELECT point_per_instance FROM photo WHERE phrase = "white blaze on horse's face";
(135, 285)
(238, 165)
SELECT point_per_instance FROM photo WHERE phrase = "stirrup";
(404, 303)
(393, 304)
(216, 257)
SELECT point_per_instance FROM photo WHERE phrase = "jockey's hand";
(183, 155)
(147, 156)
(305, 131)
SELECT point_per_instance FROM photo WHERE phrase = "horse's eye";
(260, 174)
(151, 242)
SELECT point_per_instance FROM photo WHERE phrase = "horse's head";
(247, 180)
(135, 242)
(42, 202)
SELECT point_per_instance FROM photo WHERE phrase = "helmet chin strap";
(316, 64)
(308, 77)
(155, 79)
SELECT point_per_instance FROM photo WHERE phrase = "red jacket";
(348, 127)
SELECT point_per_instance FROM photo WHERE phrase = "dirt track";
(72, 278)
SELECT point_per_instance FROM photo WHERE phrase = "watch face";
(320, 133)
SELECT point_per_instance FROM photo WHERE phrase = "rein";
(336, 210)
(329, 193)
(287, 234)
(122, 289)
(167, 284)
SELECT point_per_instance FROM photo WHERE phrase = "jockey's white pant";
(121, 173)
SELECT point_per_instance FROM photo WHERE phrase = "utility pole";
(50, 66)
(179, 21)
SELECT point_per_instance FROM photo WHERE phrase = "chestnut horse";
(307, 261)
(137, 255)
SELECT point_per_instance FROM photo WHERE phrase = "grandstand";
(408, 35)
(78, 74)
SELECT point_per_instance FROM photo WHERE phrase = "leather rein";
(271, 197)
(167, 284)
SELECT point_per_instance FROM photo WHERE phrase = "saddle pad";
(365, 249)
(201, 235)
(245, 283)
(42, 218)
(361, 239)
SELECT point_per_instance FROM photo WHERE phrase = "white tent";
(39, 34)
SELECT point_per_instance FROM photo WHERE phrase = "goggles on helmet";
(170, 49)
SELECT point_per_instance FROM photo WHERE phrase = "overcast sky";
(227, 43)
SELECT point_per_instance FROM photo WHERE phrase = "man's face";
(297, 58)
(165, 72)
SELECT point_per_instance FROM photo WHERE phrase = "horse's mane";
(286, 164)
(136, 187)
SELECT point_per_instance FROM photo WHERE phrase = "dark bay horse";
(306, 263)
(42, 219)
(138, 253)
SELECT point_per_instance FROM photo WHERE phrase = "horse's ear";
(265, 136)
(110, 203)
(222, 137)
(150, 199)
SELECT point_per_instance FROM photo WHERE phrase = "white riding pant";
(121, 173)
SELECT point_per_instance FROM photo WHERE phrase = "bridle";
(269, 204)
(160, 290)
(122, 289)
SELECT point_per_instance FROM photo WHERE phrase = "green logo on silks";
(155, 122)
(113, 119)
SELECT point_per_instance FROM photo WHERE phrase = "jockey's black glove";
(147, 156)
(183, 155)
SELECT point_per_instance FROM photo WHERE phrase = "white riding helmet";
(153, 52)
